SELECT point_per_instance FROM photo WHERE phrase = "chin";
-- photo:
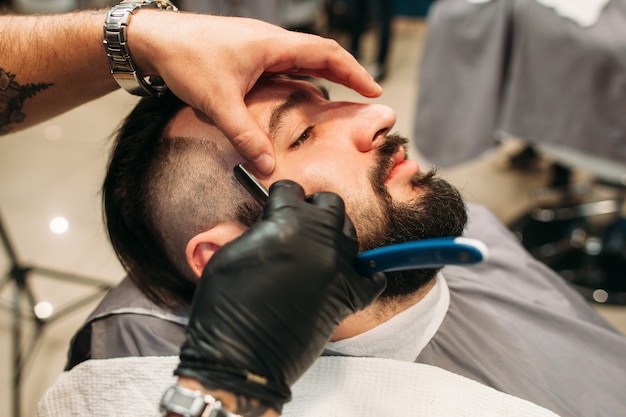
(406, 193)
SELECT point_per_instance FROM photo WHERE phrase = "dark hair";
(160, 191)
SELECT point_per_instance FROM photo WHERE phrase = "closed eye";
(305, 136)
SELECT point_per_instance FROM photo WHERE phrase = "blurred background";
(565, 203)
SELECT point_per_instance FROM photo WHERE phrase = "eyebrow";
(295, 99)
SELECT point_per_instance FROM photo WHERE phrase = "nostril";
(381, 133)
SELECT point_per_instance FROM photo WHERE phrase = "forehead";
(272, 99)
(280, 87)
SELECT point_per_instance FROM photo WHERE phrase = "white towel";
(121, 387)
(334, 386)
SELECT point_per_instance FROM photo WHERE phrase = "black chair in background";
(579, 228)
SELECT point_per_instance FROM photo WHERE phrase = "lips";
(398, 159)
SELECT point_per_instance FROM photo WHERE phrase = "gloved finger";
(287, 190)
(283, 193)
(368, 289)
(332, 204)
(348, 228)
(329, 200)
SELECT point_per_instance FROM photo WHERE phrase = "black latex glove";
(268, 302)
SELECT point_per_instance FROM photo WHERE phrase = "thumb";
(244, 133)
(368, 290)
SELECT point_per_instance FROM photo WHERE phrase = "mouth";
(401, 166)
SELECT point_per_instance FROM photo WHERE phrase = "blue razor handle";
(421, 254)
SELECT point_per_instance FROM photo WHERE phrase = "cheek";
(363, 206)
(326, 172)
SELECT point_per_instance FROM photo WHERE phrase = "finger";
(284, 194)
(332, 204)
(234, 119)
(319, 73)
(328, 200)
(286, 190)
(366, 289)
(330, 60)
(348, 228)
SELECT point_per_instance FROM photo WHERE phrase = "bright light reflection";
(600, 296)
(43, 310)
(59, 225)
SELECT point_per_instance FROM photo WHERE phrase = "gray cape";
(513, 324)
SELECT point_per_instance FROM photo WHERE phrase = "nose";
(370, 123)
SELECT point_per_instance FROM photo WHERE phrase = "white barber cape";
(334, 386)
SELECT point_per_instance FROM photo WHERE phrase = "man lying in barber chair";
(172, 202)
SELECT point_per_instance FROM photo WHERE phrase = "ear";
(201, 247)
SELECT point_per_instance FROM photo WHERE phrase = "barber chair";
(578, 228)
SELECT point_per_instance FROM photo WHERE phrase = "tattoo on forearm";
(12, 96)
(247, 407)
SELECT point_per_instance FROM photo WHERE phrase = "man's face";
(347, 148)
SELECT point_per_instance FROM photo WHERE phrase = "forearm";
(239, 405)
(50, 64)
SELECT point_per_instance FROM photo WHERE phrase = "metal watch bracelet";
(123, 68)
(182, 401)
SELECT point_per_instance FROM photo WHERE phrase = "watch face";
(183, 401)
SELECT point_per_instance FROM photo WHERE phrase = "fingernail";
(265, 164)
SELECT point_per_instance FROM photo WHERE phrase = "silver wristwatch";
(122, 67)
(185, 402)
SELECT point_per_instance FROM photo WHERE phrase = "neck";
(379, 312)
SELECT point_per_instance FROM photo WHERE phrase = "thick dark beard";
(438, 212)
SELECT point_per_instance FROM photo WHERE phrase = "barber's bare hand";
(212, 62)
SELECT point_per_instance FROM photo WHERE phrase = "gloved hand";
(268, 302)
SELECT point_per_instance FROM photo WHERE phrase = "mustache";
(384, 155)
